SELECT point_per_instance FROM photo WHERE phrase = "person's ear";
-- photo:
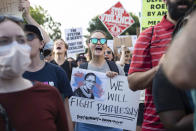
(42, 43)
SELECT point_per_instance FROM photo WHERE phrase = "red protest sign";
(116, 19)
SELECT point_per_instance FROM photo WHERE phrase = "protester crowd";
(35, 80)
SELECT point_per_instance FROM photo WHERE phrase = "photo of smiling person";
(86, 90)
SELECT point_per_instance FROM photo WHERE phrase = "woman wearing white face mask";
(24, 107)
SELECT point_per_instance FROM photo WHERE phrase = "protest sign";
(10, 8)
(110, 44)
(152, 12)
(125, 40)
(116, 19)
(103, 101)
(134, 39)
(74, 39)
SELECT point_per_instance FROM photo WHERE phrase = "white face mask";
(14, 60)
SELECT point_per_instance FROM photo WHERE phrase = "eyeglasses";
(101, 40)
(127, 52)
(31, 36)
(12, 18)
(108, 52)
(82, 59)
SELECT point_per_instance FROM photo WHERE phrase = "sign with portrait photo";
(103, 101)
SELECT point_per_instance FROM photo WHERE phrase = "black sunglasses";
(12, 18)
(127, 52)
(108, 52)
(101, 40)
(31, 36)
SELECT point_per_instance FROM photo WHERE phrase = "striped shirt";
(147, 52)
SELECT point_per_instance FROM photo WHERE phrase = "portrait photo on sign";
(88, 84)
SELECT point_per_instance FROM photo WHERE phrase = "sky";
(78, 13)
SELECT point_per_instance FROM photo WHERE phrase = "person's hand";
(111, 74)
(25, 7)
(123, 48)
(162, 59)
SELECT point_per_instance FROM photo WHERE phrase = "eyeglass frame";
(32, 34)
(98, 39)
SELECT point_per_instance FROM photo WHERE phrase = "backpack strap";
(152, 34)
(112, 65)
(84, 65)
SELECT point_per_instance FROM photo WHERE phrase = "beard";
(175, 12)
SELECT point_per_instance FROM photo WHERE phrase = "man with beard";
(150, 46)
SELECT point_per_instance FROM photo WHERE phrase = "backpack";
(112, 65)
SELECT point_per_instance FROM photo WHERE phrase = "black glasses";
(101, 40)
(12, 18)
(108, 52)
(31, 36)
(127, 52)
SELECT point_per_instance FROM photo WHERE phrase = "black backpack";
(112, 65)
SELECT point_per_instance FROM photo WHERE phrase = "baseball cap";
(47, 52)
(34, 29)
(81, 57)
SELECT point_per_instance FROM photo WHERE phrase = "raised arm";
(25, 6)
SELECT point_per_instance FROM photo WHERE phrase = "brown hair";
(66, 45)
(101, 31)
(88, 40)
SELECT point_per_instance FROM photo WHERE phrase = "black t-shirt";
(52, 75)
(67, 67)
(126, 69)
(167, 97)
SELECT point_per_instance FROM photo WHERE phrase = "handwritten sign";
(116, 19)
(74, 39)
(152, 12)
(10, 7)
(108, 103)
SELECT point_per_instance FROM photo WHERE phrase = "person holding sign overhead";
(97, 46)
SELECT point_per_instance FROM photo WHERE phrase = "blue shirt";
(52, 75)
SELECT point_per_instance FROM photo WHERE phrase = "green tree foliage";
(96, 24)
(43, 18)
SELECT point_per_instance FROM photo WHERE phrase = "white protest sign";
(110, 44)
(103, 101)
(10, 8)
(134, 39)
(74, 39)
